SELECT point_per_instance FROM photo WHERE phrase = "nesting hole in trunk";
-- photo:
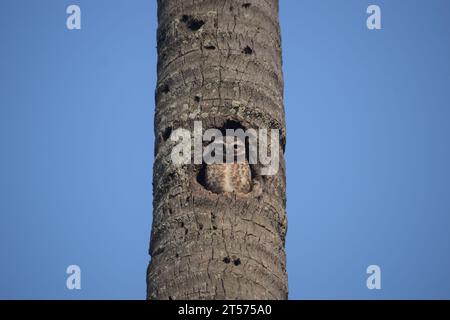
(202, 171)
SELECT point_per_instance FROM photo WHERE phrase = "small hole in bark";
(195, 24)
(246, 5)
(197, 98)
(247, 50)
(177, 255)
(182, 224)
(192, 23)
(209, 47)
(165, 88)
(167, 133)
(237, 262)
(226, 260)
(213, 221)
(231, 8)
(186, 231)
(200, 226)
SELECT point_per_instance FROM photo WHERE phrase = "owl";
(229, 176)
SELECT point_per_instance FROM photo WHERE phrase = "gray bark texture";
(219, 61)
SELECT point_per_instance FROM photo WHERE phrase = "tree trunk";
(219, 62)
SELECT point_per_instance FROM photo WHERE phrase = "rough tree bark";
(219, 61)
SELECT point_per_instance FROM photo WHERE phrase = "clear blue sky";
(368, 150)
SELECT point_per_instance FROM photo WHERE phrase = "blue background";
(368, 147)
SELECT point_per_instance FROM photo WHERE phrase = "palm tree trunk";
(219, 62)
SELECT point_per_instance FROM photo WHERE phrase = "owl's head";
(231, 148)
